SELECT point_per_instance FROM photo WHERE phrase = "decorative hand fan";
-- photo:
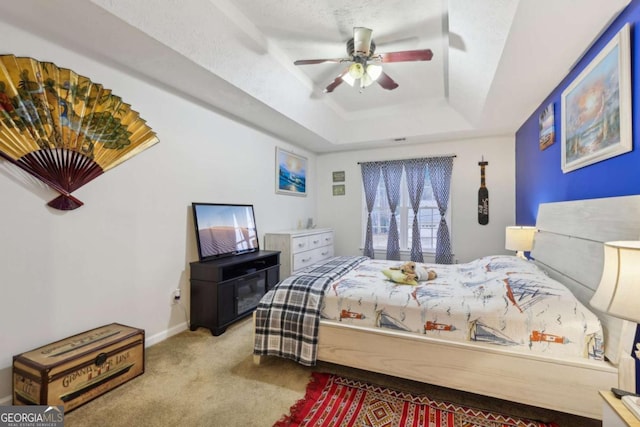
(62, 128)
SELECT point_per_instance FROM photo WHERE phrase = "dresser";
(300, 248)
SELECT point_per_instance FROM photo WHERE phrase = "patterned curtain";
(370, 179)
(415, 170)
(392, 175)
(440, 169)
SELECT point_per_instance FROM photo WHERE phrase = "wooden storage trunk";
(72, 371)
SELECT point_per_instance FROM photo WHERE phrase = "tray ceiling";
(494, 61)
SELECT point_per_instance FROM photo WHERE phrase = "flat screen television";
(224, 230)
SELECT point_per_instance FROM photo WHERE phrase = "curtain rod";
(414, 158)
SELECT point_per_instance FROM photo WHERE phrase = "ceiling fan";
(366, 63)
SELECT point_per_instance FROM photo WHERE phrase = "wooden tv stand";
(227, 289)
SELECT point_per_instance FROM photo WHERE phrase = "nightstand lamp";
(520, 239)
(618, 293)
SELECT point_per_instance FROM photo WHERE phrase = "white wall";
(470, 240)
(119, 257)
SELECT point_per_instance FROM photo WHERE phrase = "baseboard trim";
(161, 336)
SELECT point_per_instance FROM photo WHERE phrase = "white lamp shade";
(356, 70)
(619, 290)
(348, 79)
(374, 71)
(365, 80)
(519, 238)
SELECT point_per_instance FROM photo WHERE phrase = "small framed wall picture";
(291, 173)
(338, 190)
(338, 176)
(547, 127)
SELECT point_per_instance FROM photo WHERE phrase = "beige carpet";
(196, 379)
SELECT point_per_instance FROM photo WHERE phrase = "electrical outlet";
(176, 295)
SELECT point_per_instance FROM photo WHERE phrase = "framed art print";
(291, 173)
(546, 123)
(596, 107)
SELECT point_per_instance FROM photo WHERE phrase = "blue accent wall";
(539, 176)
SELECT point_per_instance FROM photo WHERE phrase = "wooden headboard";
(568, 246)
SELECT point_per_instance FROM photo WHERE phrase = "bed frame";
(568, 246)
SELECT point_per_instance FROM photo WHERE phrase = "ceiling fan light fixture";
(356, 70)
(374, 71)
(366, 81)
(348, 79)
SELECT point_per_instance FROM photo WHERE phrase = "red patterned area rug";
(333, 401)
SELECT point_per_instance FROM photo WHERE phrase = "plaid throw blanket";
(288, 316)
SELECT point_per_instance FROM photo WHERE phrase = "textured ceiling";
(494, 61)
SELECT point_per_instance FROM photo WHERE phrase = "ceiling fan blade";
(361, 41)
(319, 61)
(337, 82)
(386, 82)
(407, 55)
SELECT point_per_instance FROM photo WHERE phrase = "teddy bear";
(417, 272)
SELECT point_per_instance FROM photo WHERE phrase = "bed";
(567, 249)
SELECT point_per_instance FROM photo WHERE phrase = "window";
(428, 217)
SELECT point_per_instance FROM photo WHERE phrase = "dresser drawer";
(324, 253)
(326, 239)
(315, 241)
(299, 244)
(303, 259)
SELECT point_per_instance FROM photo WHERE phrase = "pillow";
(398, 276)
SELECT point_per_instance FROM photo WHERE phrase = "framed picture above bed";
(291, 173)
(596, 107)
